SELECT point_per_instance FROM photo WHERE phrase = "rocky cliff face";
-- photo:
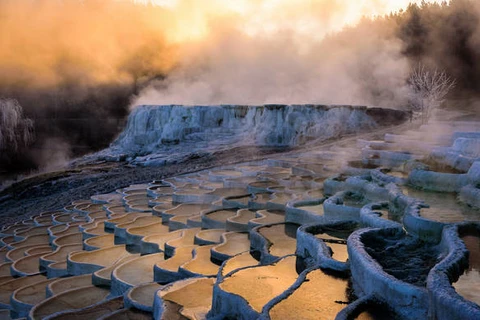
(149, 127)
(161, 130)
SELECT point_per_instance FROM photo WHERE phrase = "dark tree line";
(442, 36)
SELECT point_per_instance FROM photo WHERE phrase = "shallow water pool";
(468, 285)
(444, 207)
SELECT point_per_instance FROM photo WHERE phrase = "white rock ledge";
(369, 278)
(152, 132)
(445, 302)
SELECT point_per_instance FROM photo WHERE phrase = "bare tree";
(15, 130)
(428, 90)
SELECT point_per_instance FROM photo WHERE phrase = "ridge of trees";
(442, 36)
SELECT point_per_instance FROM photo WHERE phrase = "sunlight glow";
(307, 18)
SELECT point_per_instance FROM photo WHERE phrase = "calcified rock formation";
(272, 239)
(166, 133)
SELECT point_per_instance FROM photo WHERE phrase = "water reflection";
(444, 207)
(321, 296)
(468, 285)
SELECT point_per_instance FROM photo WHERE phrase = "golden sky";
(312, 17)
(45, 42)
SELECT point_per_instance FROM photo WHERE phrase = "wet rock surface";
(406, 258)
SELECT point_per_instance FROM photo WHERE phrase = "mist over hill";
(78, 67)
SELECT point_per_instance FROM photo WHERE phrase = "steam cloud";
(308, 53)
(233, 68)
(48, 43)
(288, 60)
(244, 51)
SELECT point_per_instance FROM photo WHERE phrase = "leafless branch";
(428, 89)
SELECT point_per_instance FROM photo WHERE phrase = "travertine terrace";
(359, 229)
